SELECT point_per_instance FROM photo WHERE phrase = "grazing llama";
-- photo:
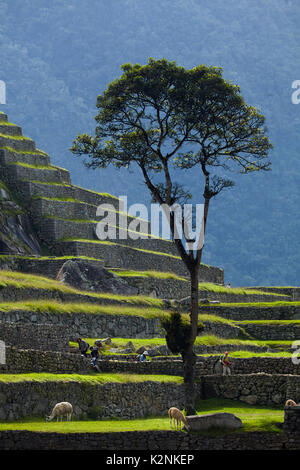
(60, 410)
(177, 415)
(290, 403)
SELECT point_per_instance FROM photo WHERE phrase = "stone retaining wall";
(253, 312)
(21, 361)
(106, 325)
(24, 399)
(124, 257)
(90, 325)
(52, 230)
(254, 389)
(35, 336)
(294, 292)
(266, 332)
(147, 440)
(12, 173)
(292, 420)
(89, 400)
(7, 157)
(121, 256)
(28, 189)
(180, 289)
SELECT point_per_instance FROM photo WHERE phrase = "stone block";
(214, 420)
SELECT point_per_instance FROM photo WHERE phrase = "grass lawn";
(254, 418)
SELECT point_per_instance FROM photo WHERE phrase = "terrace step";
(116, 255)
(15, 172)
(294, 292)
(255, 311)
(172, 288)
(73, 210)
(271, 330)
(121, 256)
(52, 230)
(29, 189)
(19, 144)
(10, 129)
(10, 156)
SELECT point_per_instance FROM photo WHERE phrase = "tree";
(163, 118)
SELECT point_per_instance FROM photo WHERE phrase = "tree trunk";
(189, 358)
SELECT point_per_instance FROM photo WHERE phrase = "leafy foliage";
(178, 332)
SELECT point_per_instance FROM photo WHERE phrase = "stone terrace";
(65, 215)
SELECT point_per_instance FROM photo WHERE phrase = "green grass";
(111, 425)
(279, 303)
(15, 137)
(149, 274)
(21, 280)
(61, 199)
(45, 306)
(210, 287)
(99, 242)
(25, 152)
(254, 419)
(208, 340)
(100, 194)
(52, 183)
(34, 167)
(269, 322)
(92, 379)
(6, 123)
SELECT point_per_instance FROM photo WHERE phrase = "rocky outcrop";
(16, 233)
(85, 276)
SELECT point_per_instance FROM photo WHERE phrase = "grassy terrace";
(269, 322)
(209, 287)
(91, 221)
(148, 274)
(34, 167)
(15, 137)
(6, 123)
(74, 186)
(144, 310)
(24, 152)
(254, 418)
(203, 340)
(62, 308)
(99, 242)
(208, 340)
(92, 379)
(30, 281)
(279, 303)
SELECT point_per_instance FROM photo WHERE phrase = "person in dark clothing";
(83, 346)
(94, 355)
